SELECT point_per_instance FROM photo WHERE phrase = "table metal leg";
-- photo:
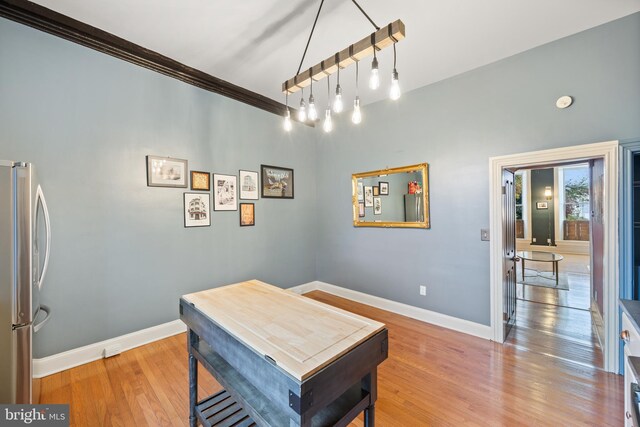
(193, 380)
(522, 261)
(555, 269)
(370, 416)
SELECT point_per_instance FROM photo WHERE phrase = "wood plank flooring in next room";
(433, 377)
(558, 322)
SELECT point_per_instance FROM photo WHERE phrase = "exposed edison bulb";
(287, 121)
(394, 92)
(328, 123)
(313, 113)
(374, 80)
(302, 111)
(356, 117)
(338, 106)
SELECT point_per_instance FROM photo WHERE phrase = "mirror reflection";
(396, 197)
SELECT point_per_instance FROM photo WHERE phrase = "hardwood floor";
(557, 322)
(433, 377)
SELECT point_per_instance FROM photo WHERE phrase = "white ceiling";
(257, 44)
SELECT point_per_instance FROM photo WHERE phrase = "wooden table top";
(300, 334)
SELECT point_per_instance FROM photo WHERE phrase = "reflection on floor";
(558, 322)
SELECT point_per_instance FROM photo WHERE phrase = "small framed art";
(248, 185)
(360, 191)
(225, 197)
(377, 206)
(361, 209)
(542, 205)
(277, 182)
(384, 188)
(166, 172)
(376, 190)
(200, 181)
(368, 196)
(197, 210)
(247, 214)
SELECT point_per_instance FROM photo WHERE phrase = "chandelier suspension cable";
(365, 14)
(310, 35)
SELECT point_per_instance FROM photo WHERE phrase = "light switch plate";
(484, 234)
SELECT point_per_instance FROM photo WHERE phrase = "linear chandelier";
(370, 45)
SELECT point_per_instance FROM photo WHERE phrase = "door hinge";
(504, 189)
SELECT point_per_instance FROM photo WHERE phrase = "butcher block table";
(283, 359)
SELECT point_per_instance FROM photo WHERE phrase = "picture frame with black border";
(384, 188)
(249, 183)
(361, 212)
(542, 205)
(167, 172)
(368, 196)
(200, 181)
(247, 214)
(225, 192)
(197, 209)
(276, 182)
(377, 206)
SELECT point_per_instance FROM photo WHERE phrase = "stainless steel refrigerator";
(413, 211)
(25, 242)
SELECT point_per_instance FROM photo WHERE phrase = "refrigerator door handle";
(47, 222)
(47, 316)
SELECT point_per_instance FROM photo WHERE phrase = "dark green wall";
(542, 219)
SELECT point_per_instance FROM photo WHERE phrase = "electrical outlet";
(423, 290)
(549, 241)
(534, 240)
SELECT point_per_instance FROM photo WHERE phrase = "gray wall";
(121, 257)
(456, 125)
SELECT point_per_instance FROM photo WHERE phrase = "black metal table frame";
(554, 270)
(333, 396)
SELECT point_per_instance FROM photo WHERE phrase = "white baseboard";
(424, 315)
(79, 356)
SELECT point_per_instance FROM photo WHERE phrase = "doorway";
(557, 288)
(605, 153)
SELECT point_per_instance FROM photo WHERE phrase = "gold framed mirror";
(392, 197)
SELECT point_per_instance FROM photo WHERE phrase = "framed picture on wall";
(166, 172)
(247, 214)
(384, 188)
(200, 181)
(248, 185)
(197, 210)
(277, 182)
(368, 196)
(376, 190)
(360, 191)
(361, 209)
(224, 192)
(377, 206)
(542, 205)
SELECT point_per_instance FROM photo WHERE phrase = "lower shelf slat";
(221, 410)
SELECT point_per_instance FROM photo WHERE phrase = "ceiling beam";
(49, 21)
(384, 37)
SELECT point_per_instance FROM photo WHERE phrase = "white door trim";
(605, 150)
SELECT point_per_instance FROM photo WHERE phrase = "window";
(575, 210)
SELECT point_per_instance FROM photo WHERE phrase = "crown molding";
(49, 21)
